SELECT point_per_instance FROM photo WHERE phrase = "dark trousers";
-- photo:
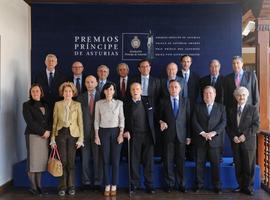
(214, 157)
(244, 160)
(92, 165)
(174, 152)
(67, 149)
(142, 149)
(111, 154)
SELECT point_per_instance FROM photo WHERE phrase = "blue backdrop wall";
(109, 34)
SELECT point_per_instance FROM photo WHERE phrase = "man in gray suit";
(243, 124)
(209, 121)
(92, 172)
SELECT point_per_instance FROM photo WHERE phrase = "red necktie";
(123, 88)
(91, 104)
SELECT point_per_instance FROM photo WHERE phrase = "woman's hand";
(46, 134)
(120, 138)
(53, 145)
(97, 140)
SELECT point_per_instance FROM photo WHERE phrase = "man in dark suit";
(102, 73)
(174, 123)
(240, 77)
(191, 91)
(50, 80)
(92, 172)
(171, 70)
(77, 77)
(150, 85)
(209, 121)
(215, 79)
(123, 82)
(191, 80)
(140, 126)
(243, 124)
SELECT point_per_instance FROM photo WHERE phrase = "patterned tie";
(213, 83)
(175, 107)
(237, 80)
(78, 85)
(91, 104)
(101, 83)
(123, 88)
(50, 79)
(239, 111)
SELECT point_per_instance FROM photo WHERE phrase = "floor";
(23, 194)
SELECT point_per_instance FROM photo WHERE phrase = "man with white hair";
(50, 79)
(242, 127)
(102, 73)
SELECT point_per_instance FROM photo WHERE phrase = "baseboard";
(4, 187)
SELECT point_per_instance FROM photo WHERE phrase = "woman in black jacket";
(38, 127)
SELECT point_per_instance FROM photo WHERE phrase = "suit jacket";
(153, 89)
(249, 80)
(206, 80)
(51, 94)
(127, 94)
(88, 119)
(215, 122)
(36, 122)
(178, 127)
(193, 87)
(83, 88)
(164, 88)
(75, 119)
(149, 114)
(249, 125)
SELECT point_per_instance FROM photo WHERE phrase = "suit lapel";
(244, 80)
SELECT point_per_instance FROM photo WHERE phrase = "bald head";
(90, 83)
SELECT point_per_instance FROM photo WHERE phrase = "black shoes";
(217, 191)
(248, 192)
(34, 191)
(197, 189)
(133, 189)
(182, 189)
(150, 190)
(168, 189)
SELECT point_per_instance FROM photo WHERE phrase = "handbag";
(55, 166)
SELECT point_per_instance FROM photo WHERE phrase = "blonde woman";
(67, 135)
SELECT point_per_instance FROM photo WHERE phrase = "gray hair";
(241, 90)
(209, 87)
(172, 63)
(125, 64)
(214, 60)
(237, 58)
(103, 66)
(50, 55)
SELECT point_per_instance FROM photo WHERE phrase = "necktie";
(175, 107)
(101, 83)
(209, 109)
(78, 85)
(185, 77)
(144, 86)
(185, 92)
(237, 80)
(91, 104)
(123, 88)
(239, 111)
(50, 79)
(213, 83)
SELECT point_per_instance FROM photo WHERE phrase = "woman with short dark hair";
(109, 128)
